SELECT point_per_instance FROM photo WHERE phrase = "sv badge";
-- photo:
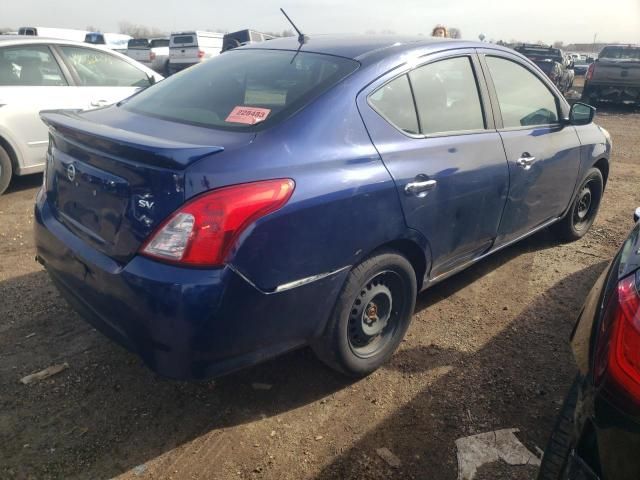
(148, 204)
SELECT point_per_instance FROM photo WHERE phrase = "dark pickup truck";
(553, 62)
(614, 76)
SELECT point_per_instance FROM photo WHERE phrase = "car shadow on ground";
(24, 182)
(108, 413)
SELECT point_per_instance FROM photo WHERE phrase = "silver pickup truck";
(614, 76)
(151, 52)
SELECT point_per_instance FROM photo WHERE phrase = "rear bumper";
(184, 323)
(612, 92)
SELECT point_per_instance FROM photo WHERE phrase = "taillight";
(204, 230)
(617, 355)
(590, 71)
(200, 54)
(152, 56)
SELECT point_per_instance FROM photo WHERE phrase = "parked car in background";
(190, 48)
(614, 76)
(243, 37)
(62, 33)
(597, 433)
(553, 62)
(113, 41)
(581, 65)
(38, 74)
(153, 53)
(288, 194)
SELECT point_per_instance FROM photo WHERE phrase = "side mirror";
(581, 114)
(152, 79)
(636, 215)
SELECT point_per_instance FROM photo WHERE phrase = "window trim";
(484, 96)
(61, 66)
(560, 111)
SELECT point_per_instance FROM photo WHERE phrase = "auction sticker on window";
(248, 115)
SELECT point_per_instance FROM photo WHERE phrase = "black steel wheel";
(584, 208)
(371, 315)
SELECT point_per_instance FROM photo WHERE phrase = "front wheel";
(584, 208)
(371, 316)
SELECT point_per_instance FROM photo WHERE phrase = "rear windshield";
(243, 89)
(95, 38)
(138, 43)
(183, 40)
(621, 53)
(159, 42)
(532, 52)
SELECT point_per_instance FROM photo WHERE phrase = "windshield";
(621, 53)
(242, 89)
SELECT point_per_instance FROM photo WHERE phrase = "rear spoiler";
(123, 144)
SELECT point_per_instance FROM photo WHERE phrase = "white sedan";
(42, 74)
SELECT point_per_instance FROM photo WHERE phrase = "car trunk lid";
(111, 187)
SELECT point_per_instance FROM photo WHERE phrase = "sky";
(524, 20)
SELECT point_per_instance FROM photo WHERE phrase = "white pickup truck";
(614, 76)
(151, 52)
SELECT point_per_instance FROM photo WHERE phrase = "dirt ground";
(487, 350)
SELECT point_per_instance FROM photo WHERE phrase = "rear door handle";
(525, 161)
(420, 189)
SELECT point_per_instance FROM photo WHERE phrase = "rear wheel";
(584, 208)
(371, 316)
(6, 170)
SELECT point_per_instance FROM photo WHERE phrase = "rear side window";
(96, 68)
(447, 96)
(523, 98)
(243, 89)
(183, 40)
(395, 103)
(32, 66)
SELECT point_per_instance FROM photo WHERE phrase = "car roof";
(6, 40)
(362, 47)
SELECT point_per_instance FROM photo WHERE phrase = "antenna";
(302, 38)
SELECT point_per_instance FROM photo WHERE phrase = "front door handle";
(525, 161)
(420, 189)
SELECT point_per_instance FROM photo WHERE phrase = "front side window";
(524, 99)
(32, 66)
(447, 96)
(395, 103)
(101, 69)
(244, 89)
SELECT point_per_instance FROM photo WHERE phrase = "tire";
(371, 316)
(584, 208)
(561, 442)
(6, 170)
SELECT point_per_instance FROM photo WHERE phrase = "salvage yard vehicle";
(598, 429)
(152, 53)
(553, 62)
(302, 192)
(190, 48)
(37, 74)
(243, 37)
(114, 41)
(614, 76)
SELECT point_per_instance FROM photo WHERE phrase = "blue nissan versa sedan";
(287, 194)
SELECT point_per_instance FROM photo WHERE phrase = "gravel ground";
(487, 350)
